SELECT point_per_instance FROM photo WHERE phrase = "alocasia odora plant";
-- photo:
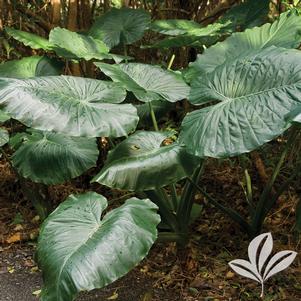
(249, 84)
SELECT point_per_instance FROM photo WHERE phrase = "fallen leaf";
(37, 292)
(14, 238)
(113, 297)
(230, 275)
(34, 269)
(18, 227)
(10, 270)
(147, 297)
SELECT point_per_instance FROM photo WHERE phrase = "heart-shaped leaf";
(30, 67)
(4, 137)
(121, 26)
(71, 105)
(73, 45)
(78, 250)
(141, 163)
(147, 82)
(51, 158)
(254, 98)
(176, 27)
(186, 33)
(248, 14)
(29, 39)
(284, 32)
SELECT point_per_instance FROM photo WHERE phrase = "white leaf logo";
(259, 267)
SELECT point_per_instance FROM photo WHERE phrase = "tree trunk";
(73, 26)
(56, 12)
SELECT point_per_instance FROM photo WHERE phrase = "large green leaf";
(30, 67)
(73, 45)
(71, 105)
(29, 39)
(51, 158)
(175, 27)
(186, 34)
(284, 32)
(80, 251)
(255, 93)
(147, 82)
(141, 163)
(121, 26)
(4, 137)
(246, 15)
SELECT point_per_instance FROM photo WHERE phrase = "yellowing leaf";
(10, 270)
(36, 293)
(114, 296)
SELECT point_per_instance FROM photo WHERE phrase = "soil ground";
(200, 272)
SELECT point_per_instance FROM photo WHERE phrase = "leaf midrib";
(99, 223)
(230, 99)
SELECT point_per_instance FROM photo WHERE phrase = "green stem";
(174, 197)
(264, 203)
(171, 237)
(283, 188)
(230, 212)
(187, 199)
(125, 53)
(171, 62)
(249, 192)
(153, 116)
(157, 197)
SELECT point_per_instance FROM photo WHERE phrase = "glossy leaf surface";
(74, 45)
(284, 32)
(147, 82)
(120, 26)
(51, 158)
(254, 95)
(30, 67)
(29, 39)
(78, 250)
(71, 105)
(248, 14)
(141, 162)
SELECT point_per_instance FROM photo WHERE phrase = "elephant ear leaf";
(147, 82)
(121, 26)
(30, 67)
(143, 162)
(69, 105)
(4, 137)
(52, 158)
(29, 39)
(79, 250)
(284, 32)
(252, 99)
(74, 45)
